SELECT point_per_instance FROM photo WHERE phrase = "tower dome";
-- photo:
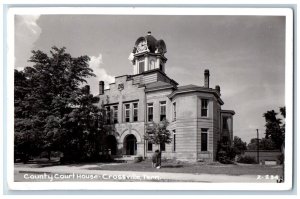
(148, 54)
(149, 43)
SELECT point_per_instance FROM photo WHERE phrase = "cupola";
(148, 54)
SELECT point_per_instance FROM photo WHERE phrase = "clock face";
(142, 46)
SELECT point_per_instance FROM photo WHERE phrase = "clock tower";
(148, 54)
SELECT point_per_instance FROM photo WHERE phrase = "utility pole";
(257, 147)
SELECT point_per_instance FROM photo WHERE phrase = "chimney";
(101, 87)
(149, 33)
(206, 78)
(218, 89)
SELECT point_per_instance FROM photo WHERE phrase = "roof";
(190, 86)
(194, 88)
(153, 44)
(228, 111)
(158, 86)
(157, 70)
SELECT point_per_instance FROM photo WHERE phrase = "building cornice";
(228, 111)
(159, 88)
(197, 89)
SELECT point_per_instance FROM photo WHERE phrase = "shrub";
(138, 159)
(224, 158)
(281, 158)
(247, 160)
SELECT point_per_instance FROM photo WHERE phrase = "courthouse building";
(196, 120)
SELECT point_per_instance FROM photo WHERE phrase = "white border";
(287, 185)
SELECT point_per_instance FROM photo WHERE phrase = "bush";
(138, 159)
(226, 154)
(224, 157)
(281, 158)
(247, 160)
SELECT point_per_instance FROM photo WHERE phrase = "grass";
(171, 166)
(195, 168)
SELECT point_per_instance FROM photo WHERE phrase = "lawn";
(195, 168)
(171, 166)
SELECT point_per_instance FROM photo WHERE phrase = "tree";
(85, 124)
(52, 111)
(264, 144)
(253, 144)
(157, 133)
(238, 145)
(275, 130)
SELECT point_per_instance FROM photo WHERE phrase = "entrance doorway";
(130, 144)
(111, 144)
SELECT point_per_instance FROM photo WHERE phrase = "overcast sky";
(245, 54)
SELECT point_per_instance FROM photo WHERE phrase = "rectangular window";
(204, 141)
(204, 103)
(135, 112)
(149, 146)
(108, 115)
(127, 112)
(163, 146)
(161, 67)
(174, 140)
(162, 111)
(225, 126)
(174, 111)
(115, 114)
(150, 112)
(141, 66)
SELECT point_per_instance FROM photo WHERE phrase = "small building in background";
(265, 157)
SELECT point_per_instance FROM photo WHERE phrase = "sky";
(245, 54)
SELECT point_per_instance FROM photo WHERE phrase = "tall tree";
(264, 144)
(238, 145)
(48, 94)
(274, 128)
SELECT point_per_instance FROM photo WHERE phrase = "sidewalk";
(94, 170)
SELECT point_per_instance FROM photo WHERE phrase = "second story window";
(127, 112)
(108, 115)
(135, 112)
(204, 107)
(115, 114)
(150, 112)
(162, 110)
(174, 111)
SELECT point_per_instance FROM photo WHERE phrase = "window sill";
(203, 117)
(205, 152)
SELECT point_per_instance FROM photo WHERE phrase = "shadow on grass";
(171, 166)
(43, 163)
